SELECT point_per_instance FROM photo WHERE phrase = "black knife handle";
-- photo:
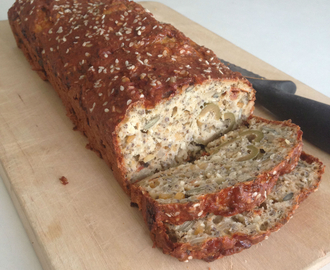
(313, 117)
(285, 86)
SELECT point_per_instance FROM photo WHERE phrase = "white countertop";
(292, 35)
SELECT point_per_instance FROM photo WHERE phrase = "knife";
(278, 97)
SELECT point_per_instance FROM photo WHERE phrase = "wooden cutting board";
(89, 224)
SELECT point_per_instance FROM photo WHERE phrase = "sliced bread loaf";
(215, 236)
(236, 175)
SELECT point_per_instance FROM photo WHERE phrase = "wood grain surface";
(88, 223)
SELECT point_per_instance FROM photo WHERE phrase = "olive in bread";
(215, 236)
(236, 175)
(146, 96)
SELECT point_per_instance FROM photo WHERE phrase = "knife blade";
(278, 97)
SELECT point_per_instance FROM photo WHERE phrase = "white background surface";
(292, 35)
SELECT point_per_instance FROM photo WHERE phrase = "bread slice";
(215, 236)
(235, 175)
(146, 96)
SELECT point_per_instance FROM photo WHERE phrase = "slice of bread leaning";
(234, 175)
(215, 236)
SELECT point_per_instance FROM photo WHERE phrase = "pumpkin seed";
(288, 197)
(151, 123)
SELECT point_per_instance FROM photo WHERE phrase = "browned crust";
(216, 248)
(59, 60)
(226, 202)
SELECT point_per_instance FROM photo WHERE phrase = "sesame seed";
(87, 54)
(121, 88)
(154, 27)
(160, 55)
(43, 51)
(106, 110)
(141, 96)
(200, 213)
(139, 33)
(113, 90)
(60, 30)
(105, 103)
(129, 101)
(207, 62)
(105, 55)
(182, 51)
(117, 61)
(149, 54)
(66, 64)
(100, 69)
(50, 31)
(91, 109)
(64, 39)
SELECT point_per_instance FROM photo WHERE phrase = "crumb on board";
(64, 180)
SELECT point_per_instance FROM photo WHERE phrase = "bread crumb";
(64, 180)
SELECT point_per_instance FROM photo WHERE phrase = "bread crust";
(216, 248)
(72, 53)
(226, 202)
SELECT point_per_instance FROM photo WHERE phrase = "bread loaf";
(215, 236)
(146, 96)
(236, 175)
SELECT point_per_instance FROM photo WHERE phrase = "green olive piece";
(210, 107)
(232, 119)
(254, 152)
(254, 134)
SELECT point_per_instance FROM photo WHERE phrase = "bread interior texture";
(276, 208)
(177, 129)
(242, 155)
